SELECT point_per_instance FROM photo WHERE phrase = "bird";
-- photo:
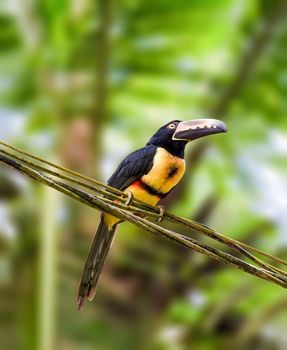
(147, 174)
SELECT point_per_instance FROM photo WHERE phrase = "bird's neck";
(176, 148)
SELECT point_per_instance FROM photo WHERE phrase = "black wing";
(133, 167)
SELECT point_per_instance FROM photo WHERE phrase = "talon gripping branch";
(148, 174)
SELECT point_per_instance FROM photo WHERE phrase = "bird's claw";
(161, 213)
(129, 199)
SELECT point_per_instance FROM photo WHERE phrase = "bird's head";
(174, 135)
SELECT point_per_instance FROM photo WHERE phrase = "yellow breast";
(166, 172)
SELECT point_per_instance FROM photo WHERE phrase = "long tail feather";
(95, 262)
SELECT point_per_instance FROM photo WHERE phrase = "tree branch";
(105, 198)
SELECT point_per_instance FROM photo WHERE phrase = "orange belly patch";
(140, 193)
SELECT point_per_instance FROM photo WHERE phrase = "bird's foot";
(130, 198)
(161, 213)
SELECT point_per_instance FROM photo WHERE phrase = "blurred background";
(83, 83)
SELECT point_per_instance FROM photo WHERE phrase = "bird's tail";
(95, 262)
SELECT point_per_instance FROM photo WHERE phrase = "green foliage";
(9, 34)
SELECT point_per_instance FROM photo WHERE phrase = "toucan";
(147, 174)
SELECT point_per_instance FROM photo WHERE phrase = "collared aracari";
(148, 174)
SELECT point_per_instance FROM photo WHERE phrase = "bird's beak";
(194, 129)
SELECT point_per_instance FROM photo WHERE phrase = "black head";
(163, 138)
(174, 135)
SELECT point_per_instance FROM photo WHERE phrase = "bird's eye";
(171, 126)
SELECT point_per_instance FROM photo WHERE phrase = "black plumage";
(133, 167)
